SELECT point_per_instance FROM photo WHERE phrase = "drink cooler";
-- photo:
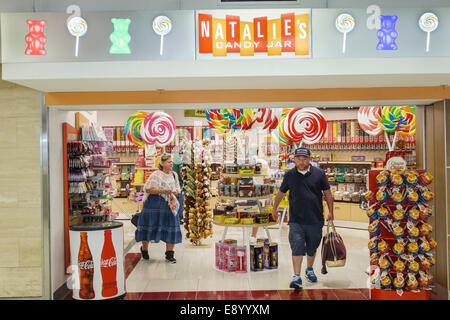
(95, 235)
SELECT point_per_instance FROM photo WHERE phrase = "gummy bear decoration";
(387, 34)
(120, 37)
(35, 39)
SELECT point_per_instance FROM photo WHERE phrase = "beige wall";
(20, 192)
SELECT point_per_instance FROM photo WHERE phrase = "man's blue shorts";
(304, 238)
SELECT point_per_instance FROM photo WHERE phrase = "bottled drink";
(108, 267)
(86, 267)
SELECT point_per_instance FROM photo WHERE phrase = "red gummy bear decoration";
(35, 39)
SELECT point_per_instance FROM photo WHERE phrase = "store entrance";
(229, 175)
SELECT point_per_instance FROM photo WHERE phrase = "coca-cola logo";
(86, 265)
(105, 263)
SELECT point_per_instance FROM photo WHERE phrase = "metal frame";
(47, 292)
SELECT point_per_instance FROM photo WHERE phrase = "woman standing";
(159, 217)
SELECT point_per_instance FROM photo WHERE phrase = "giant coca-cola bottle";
(86, 269)
(109, 267)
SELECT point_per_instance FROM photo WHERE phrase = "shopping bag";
(334, 253)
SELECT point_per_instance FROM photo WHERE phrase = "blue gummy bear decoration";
(387, 34)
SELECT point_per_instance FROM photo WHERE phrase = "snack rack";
(237, 222)
(386, 240)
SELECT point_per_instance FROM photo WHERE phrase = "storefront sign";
(245, 33)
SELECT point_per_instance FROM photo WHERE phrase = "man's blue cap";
(302, 152)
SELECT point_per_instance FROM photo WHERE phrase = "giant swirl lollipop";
(266, 119)
(428, 22)
(398, 120)
(162, 26)
(77, 27)
(368, 120)
(305, 125)
(158, 128)
(345, 23)
(133, 128)
(279, 135)
(217, 122)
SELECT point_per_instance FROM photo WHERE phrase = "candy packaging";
(432, 243)
(399, 266)
(412, 196)
(374, 229)
(412, 247)
(370, 196)
(382, 178)
(412, 283)
(373, 245)
(398, 214)
(381, 195)
(426, 195)
(413, 214)
(396, 180)
(372, 213)
(374, 258)
(383, 213)
(424, 212)
(425, 229)
(413, 266)
(424, 263)
(411, 180)
(399, 248)
(382, 246)
(431, 259)
(397, 230)
(399, 281)
(386, 281)
(384, 263)
(425, 178)
(424, 246)
(412, 230)
(397, 196)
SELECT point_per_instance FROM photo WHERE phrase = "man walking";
(306, 185)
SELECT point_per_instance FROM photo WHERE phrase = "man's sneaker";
(296, 283)
(310, 275)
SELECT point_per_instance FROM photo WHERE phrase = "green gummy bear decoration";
(120, 37)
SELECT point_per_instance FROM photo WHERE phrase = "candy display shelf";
(245, 198)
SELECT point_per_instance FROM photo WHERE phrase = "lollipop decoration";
(368, 120)
(428, 22)
(345, 23)
(159, 128)
(305, 125)
(77, 27)
(266, 119)
(398, 119)
(133, 128)
(162, 25)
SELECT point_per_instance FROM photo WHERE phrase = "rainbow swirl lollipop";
(248, 119)
(307, 125)
(234, 116)
(158, 128)
(399, 119)
(216, 121)
(133, 128)
(279, 135)
(368, 120)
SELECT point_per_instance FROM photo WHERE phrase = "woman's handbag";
(135, 219)
(334, 253)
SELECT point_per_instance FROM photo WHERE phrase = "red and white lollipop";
(266, 119)
(368, 120)
(305, 125)
(158, 128)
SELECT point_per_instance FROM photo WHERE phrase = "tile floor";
(194, 278)
(194, 270)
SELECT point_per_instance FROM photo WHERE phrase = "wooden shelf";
(239, 225)
(246, 198)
